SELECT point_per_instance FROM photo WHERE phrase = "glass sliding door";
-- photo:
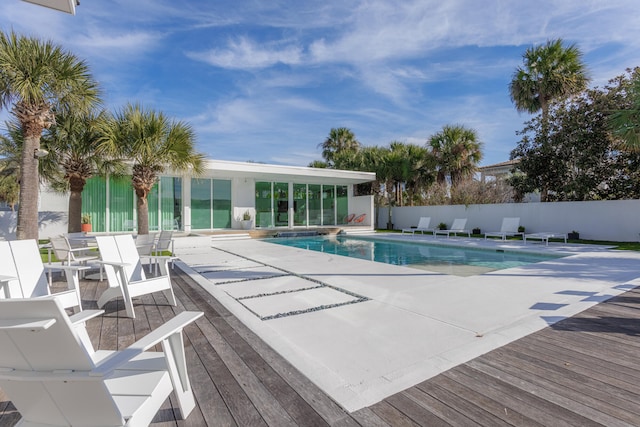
(94, 203)
(171, 203)
(154, 207)
(342, 203)
(315, 204)
(299, 204)
(264, 209)
(121, 205)
(221, 203)
(281, 203)
(328, 205)
(200, 204)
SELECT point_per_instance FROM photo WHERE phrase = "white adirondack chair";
(26, 277)
(125, 273)
(53, 379)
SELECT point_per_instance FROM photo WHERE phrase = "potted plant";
(85, 225)
(476, 230)
(442, 226)
(246, 220)
(521, 229)
(574, 235)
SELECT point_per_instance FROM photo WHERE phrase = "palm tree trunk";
(142, 205)
(76, 185)
(27, 226)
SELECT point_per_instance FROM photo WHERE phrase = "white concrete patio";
(363, 330)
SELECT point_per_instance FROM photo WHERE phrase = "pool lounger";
(544, 237)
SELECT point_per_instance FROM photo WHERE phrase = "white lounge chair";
(423, 225)
(66, 253)
(125, 273)
(164, 243)
(509, 228)
(25, 277)
(544, 236)
(145, 243)
(458, 226)
(53, 379)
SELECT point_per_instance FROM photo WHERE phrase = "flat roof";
(224, 168)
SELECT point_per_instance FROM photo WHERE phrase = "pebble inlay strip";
(320, 284)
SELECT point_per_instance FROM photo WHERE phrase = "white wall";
(50, 224)
(616, 220)
(362, 205)
(244, 199)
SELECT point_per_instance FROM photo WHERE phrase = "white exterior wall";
(53, 206)
(615, 220)
(243, 198)
(362, 205)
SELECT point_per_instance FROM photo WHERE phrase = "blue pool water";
(441, 258)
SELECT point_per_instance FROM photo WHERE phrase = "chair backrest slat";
(42, 398)
(145, 243)
(510, 225)
(109, 253)
(57, 347)
(164, 240)
(8, 268)
(459, 224)
(30, 268)
(61, 248)
(129, 254)
(424, 222)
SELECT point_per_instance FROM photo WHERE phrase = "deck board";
(580, 371)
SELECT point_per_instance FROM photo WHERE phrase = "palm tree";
(73, 142)
(457, 152)
(551, 71)
(339, 140)
(422, 167)
(39, 79)
(153, 144)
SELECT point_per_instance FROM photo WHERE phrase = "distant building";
(498, 171)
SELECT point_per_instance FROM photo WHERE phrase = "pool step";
(347, 231)
(230, 236)
(297, 233)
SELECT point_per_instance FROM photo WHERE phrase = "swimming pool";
(456, 260)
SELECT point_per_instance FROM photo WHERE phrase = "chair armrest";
(85, 315)
(162, 257)
(80, 249)
(4, 278)
(114, 263)
(72, 268)
(156, 336)
(27, 324)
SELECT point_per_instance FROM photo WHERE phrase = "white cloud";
(246, 54)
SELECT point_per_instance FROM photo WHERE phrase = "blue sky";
(265, 81)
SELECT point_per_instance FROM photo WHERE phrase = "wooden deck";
(583, 371)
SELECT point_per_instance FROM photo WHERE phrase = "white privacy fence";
(617, 220)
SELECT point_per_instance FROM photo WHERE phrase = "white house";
(274, 196)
